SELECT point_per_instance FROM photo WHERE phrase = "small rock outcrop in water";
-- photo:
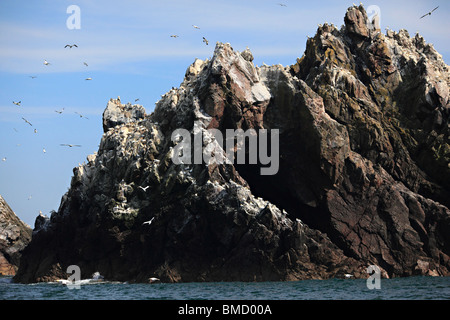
(14, 237)
(363, 120)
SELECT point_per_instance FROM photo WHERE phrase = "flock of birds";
(19, 103)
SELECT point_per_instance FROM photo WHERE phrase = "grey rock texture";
(14, 237)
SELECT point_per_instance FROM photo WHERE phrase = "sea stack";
(363, 179)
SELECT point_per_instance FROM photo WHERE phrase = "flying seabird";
(81, 116)
(282, 5)
(27, 121)
(35, 130)
(205, 41)
(43, 150)
(30, 196)
(70, 46)
(145, 189)
(4, 159)
(85, 64)
(70, 145)
(17, 103)
(46, 62)
(33, 77)
(174, 36)
(136, 100)
(149, 222)
(429, 13)
(195, 26)
(88, 78)
(59, 111)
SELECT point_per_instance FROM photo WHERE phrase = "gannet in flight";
(145, 189)
(195, 26)
(60, 111)
(88, 78)
(149, 222)
(70, 145)
(429, 13)
(81, 116)
(46, 62)
(17, 103)
(27, 121)
(174, 36)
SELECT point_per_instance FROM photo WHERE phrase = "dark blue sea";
(411, 288)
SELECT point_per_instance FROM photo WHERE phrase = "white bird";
(149, 222)
(145, 189)
(43, 150)
(4, 159)
(29, 198)
(154, 280)
(348, 275)
(195, 26)
(17, 103)
(46, 62)
(88, 78)
(70, 145)
(35, 130)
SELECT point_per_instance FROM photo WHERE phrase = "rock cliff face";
(363, 174)
(14, 237)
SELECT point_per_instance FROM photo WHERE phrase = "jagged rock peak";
(117, 113)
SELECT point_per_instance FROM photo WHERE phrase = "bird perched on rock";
(205, 41)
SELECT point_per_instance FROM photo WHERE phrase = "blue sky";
(130, 53)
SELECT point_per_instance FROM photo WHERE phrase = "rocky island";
(363, 175)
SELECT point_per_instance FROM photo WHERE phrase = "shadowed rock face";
(14, 237)
(363, 171)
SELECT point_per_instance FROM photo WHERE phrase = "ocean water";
(411, 288)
